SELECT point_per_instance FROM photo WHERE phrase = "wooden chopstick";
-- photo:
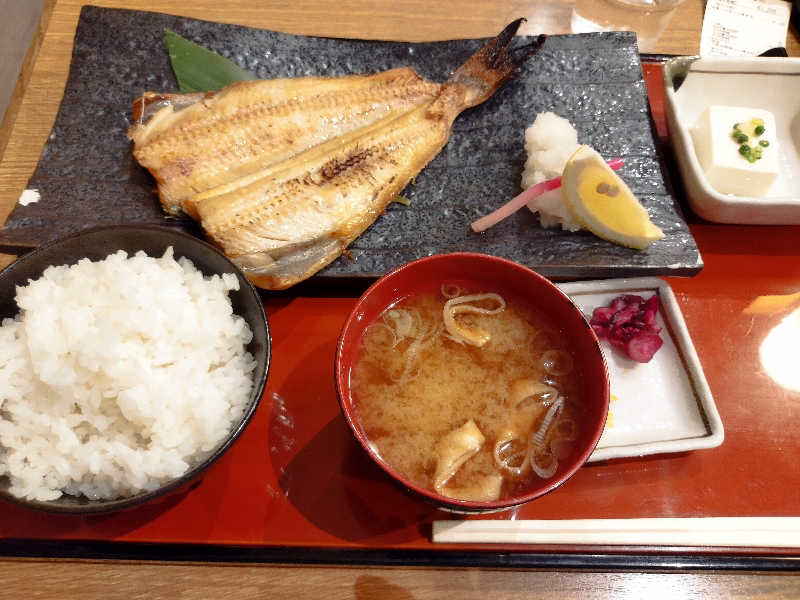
(753, 532)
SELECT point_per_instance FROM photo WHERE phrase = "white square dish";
(691, 84)
(661, 406)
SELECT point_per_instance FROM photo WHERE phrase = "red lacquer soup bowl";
(479, 272)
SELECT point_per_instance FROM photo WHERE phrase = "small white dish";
(691, 84)
(661, 406)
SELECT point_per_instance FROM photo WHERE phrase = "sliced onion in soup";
(557, 362)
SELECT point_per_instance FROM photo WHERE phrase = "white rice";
(118, 376)
(549, 142)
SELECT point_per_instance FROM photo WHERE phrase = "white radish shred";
(537, 442)
(552, 412)
(549, 142)
(547, 470)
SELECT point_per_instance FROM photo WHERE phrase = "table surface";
(729, 253)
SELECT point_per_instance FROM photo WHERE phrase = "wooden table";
(24, 131)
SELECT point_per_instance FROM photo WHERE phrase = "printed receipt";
(744, 27)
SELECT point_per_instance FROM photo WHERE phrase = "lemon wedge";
(602, 203)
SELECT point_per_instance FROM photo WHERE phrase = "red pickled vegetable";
(629, 324)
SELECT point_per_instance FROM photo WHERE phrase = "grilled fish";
(284, 174)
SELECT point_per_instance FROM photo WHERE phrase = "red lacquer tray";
(296, 482)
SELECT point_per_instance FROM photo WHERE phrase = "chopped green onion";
(740, 137)
(755, 127)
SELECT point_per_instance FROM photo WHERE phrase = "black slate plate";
(87, 177)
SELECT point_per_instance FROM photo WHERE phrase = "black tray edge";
(172, 553)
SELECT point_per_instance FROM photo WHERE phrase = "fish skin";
(294, 208)
(324, 201)
(214, 139)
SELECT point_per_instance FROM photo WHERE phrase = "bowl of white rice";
(132, 358)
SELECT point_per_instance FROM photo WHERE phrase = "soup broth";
(468, 421)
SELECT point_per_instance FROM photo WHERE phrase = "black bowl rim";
(443, 502)
(259, 385)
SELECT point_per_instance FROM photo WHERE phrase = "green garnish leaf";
(402, 200)
(759, 129)
(740, 137)
(744, 150)
(198, 69)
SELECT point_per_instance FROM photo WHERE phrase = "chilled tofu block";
(737, 149)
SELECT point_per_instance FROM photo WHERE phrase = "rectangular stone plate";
(87, 177)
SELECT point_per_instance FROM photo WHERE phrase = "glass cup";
(648, 18)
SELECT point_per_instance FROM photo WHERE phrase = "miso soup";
(467, 393)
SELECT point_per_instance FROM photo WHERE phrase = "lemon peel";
(603, 203)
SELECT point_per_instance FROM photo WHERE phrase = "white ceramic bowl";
(691, 84)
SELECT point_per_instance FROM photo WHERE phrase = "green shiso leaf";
(198, 69)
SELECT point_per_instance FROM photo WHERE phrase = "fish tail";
(489, 68)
